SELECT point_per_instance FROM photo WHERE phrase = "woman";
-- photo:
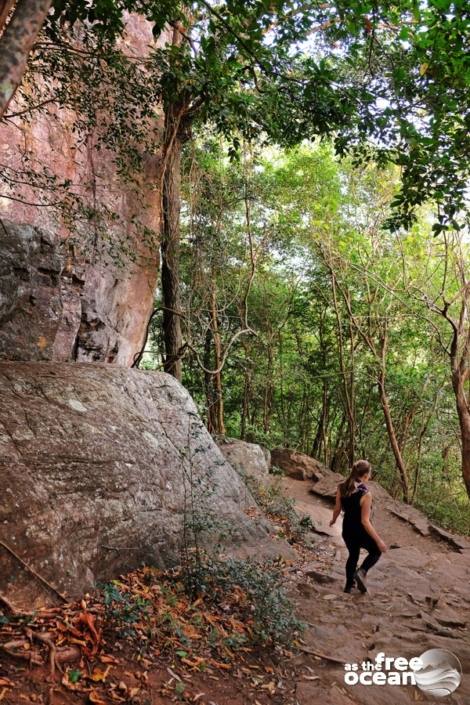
(354, 498)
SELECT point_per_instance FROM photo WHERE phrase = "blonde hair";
(358, 470)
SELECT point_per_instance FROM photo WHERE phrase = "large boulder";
(297, 465)
(247, 458)
(99, 467)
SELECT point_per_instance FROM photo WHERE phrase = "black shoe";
(350, 586)
(361, 580)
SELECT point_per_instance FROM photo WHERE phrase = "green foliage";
(274, 621)
(284, 383)
(122, 608)
(74, 675)
(385, 82)
(106, 18)
(443, 499)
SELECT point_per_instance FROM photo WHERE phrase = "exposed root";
(46, 638)
(32, 571)
(324, 657)
(22, 648)
(16, 648)
(10, 607)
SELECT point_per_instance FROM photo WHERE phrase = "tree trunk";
(334, 462)
(170, 247)
(269, 389)
(392, 435)
(16, 44)
(459, 354)
(247, 391)
(218, 406)
(208, 381)
(463, 411)
(319, 439)
(393, 438)
(347, 380)
(245, 404)
(6, 7)
(460, 365)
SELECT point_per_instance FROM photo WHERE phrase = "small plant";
(235, 641)
(272, 500)
(180, 687)
(277, 471)
(122, 609)
(306, 523)
(74, 675)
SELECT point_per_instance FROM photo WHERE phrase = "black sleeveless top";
(352, 509)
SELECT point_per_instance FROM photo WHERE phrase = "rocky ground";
(418, 599)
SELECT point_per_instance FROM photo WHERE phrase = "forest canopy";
(385, 81)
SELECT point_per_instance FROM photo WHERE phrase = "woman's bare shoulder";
(365, 493)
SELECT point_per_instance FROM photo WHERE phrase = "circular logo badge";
(439, 672)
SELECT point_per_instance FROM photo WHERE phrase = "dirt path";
(419, 599)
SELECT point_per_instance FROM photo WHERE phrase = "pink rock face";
(65, 294)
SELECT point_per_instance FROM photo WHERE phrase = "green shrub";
(267, 605)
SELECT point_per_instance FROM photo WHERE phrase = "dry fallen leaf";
(98, 675)
(270, 687)
(219, 664)
(195, 662)
(105, 658)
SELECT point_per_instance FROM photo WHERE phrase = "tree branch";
(16, 44)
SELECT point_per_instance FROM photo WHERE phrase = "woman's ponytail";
(358, 470)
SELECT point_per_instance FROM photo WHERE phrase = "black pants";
(354, 542)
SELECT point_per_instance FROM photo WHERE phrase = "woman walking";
(354, 498)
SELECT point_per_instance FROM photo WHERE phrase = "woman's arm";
(366, 502)
(337, 507)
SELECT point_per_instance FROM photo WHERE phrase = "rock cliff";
(61, 309)
(85, 292)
